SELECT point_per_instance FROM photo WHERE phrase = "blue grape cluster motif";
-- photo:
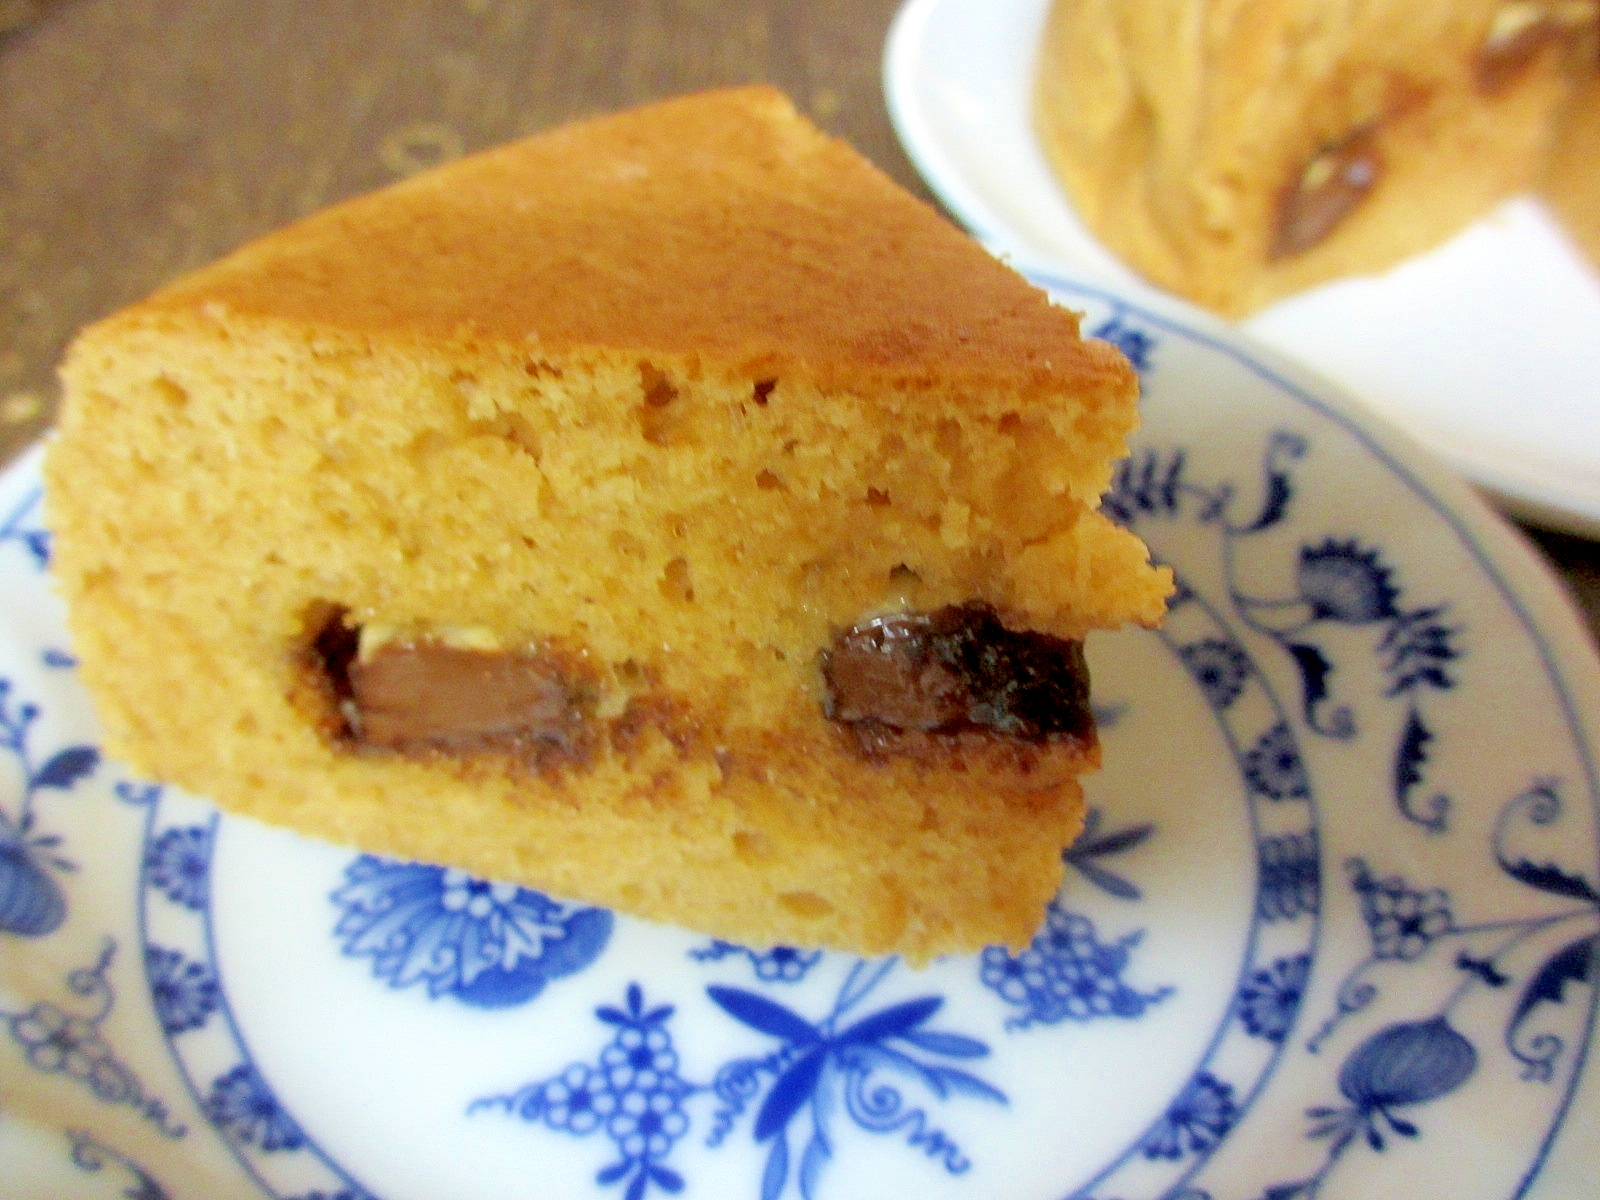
(634, 1095)
(817, 1074)
(69, 1041)
(1066, 973)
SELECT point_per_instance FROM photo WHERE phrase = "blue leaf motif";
(945, 1080)
(951, 1045)
(894, 1021)
(666, 1177)
(794, 1087)
(66, 767)
(777, 1170)
(1410, 755)
(1550, 878)
(766, 1016)
(1576, 962)
(610, 1175)
(817, 1155)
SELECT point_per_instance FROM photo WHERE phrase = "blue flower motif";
(185, 993)
(1273, 767)
(1197, 1120)
(1291, 875)
(785, 964)
(640, 1058)
(488, 944)
(1270, 999)
(1219, 667)
(1402, 920)
(178, 864)
(242, 1106)
(781, 964)
(578, 1100)
(1066, 973)
(1341, 582)
(635, 1095)
(646, 1124)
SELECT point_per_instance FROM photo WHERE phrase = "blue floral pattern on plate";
(1327, 664)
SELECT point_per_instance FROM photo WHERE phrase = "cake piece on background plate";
(665, 511)
(1239, 151)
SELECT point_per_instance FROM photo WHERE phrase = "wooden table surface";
(139, 138)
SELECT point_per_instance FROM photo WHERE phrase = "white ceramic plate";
(1329, 933)
(1487, 349)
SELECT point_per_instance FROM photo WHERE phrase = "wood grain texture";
(140, 138)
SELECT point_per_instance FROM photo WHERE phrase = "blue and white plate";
(1483, 348)
(1332, 930)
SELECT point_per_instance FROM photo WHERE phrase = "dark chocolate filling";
(952, 672)
(427, 696)
(1326, 191)
(1504, 57)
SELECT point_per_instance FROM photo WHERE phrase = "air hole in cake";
(751, 845)
(877, 498)
(659, 419)
(762, 391)
(676, 583)
(1010, 424)
(806, 904)
(905, 684)
(453, 692)
(768, 482)
(174, 395)
(513, 429)
(902, 574)
(659, 391)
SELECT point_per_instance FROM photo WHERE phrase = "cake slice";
(1237, 152)
(665, 511)
(1572, 183)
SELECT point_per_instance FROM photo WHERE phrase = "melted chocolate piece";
(953, 673)
(1523, 30)
(1327, 190)
(426, 696)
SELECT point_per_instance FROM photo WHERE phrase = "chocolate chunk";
(425, 696)
(1326, 191)
(1522, 30)
(952, 673)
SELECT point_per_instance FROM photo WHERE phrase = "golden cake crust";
(757, 224)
